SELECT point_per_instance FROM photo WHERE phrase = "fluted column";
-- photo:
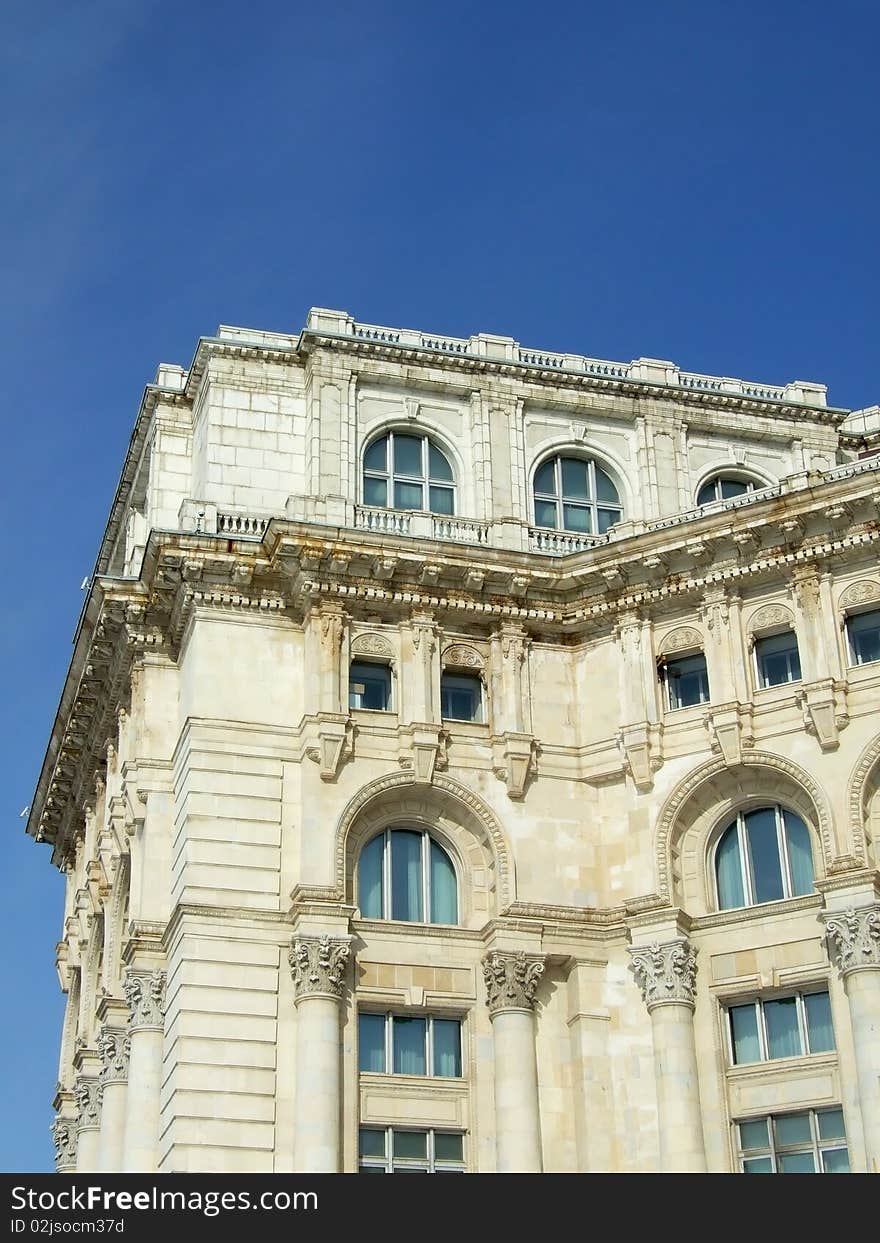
(855, 934)
(145, 994)
(318, 966)
(113, 1047)
(87, 1093)
(64, 1136)
(666, 975)
(511, 983)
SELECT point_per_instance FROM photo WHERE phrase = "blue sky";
(695, 181)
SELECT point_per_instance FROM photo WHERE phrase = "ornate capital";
(113, 1047)
(511, 981)
(855, 935)
(145, 994)
(87, 1094)
(318, 966)
(64, 1137)
(666, 973)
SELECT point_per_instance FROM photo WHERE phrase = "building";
(470, 761)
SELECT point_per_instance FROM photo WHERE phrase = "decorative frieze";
(855, 935)
(114, 1046)
(64, 1137)
(145, 994)
(666, 973)
(87, 1094)
(511, 980)
(318, 966)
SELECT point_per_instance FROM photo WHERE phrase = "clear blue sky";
(695, 181)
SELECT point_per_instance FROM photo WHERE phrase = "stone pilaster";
(145, 994)
(87, 1094)
(114, 1046)
(512, 981)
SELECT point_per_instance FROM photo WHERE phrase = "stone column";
(855, 934)
(113, 1047)
(318, 966)
(145, 994)
(511, 983)
(87, 1092)
(64, 1134)
(666, 974)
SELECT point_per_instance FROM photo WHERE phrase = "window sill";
(384, 1078)
(753, 914)
(783, 1065)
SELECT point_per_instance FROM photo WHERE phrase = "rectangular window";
(777, 659)
(461, 697)
(794, 1026)
(409, 1045)
(369, 686)
(687, 681)
(863, 632)
(387, 1150)
(812, 1142)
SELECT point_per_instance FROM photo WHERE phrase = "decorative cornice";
(511, 980)
(114, 1046)
(87, 1094)
(855, 935)
(64, 1136)
(318, 966)
(145, 994)
(666, 973)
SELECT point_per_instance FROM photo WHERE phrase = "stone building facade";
(469, 761)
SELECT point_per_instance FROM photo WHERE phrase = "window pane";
(820, 1031)
(408, 455)
(372, 1143)
(370, 878)
(688, 681)
(407, 496)
(447, 1050)
(792, 1129)
(764, 851)
(406, 875)
(753, 1135)
(783, 1033)
(545, 478)
(607, 519)
(577, 518)
(835, 1161)
(442, 500)
(800, 856)
(574, 479)
(732, 487)
(375, 491)
(744, 1030)
(778, 659)
(758, 1165)
(706, 494)
(545, 514)
(372, 1169)
(831, 1124)
(371, 1042)
(444, 890)
(409, 1169)
(409, 1048)
(448, 1147)
(728, 871)
(864, 636)
(410, 1144)
(460, 697)
(438, 466)
(369, 686)
(605, 489)
(797, 1163)
(376, 457)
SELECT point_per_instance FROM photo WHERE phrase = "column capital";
(855, 935)
(145, 994)
(666, 972)
(64, 1137)
(318, 966)
(114, 1045)
(511, 980)
(87, 1094)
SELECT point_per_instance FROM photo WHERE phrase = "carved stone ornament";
(666, 973)
(460, 656)
(371, 645)
(511, 981)
(88, 1103)
(145, 994)
(318, 966)
(64, 1137)
(855, 935)
(860, 593)
(114, 1046)
(769, 616)
(681, 640)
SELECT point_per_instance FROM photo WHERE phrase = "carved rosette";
(318, 966)
(666, 973)
(114, 1045)
(511, 981)
(145, 994)
(87, 1094)
(855, 935)
(64, 1137)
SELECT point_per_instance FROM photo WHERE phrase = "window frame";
(674, 658)
(425, 481)
(849, 616)
(717, 478)
(379, 664)
(428, 1164)
(428, 837)
(591, 503)
(388, 1048)
(763, 1040)
(817, 1146)
(745, 862)
(472, 676)
(757, 639)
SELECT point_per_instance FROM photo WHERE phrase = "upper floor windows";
(404, 874)
(777, 659)
(402, 471)
(369, 686)
(780, 1027)
(409, 1045)
(764, 855)
(387, 1150)
(724, 488)
(686, 679)
(574, 494)
(812, 1142)
(461, 697)
(863, 636)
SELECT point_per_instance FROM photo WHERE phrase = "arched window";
(725, 487)
(574, 494)
(405, 874)
(764, 855)
(402, 471)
